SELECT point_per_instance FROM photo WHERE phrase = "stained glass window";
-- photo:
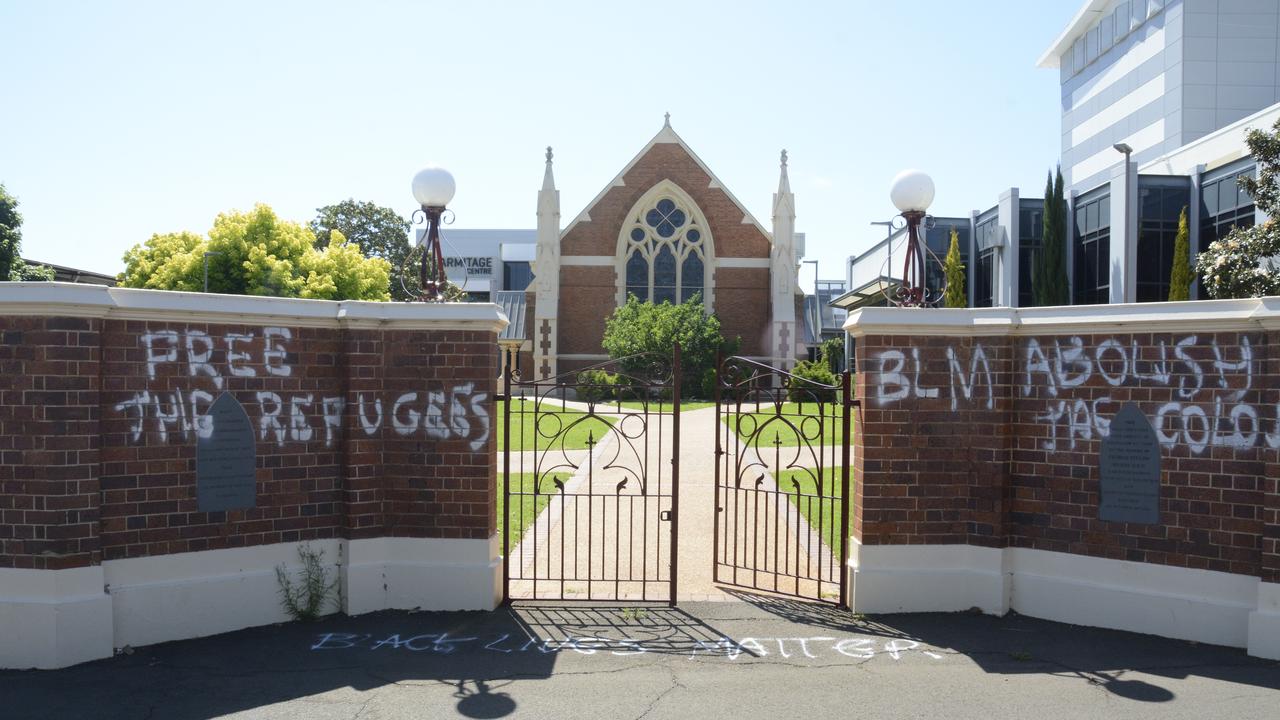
(666, 259)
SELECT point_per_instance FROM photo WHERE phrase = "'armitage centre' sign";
(474, 266)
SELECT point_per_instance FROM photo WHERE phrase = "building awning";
(871, 293)
(512, 303)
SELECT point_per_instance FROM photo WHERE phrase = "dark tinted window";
(516, 275)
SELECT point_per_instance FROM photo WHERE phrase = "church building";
(665, 229)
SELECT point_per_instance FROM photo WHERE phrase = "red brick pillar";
(931, 470)
(53, 608)
(1264, 621)
(49, 441)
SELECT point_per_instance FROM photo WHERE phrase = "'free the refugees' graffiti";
(1210, 387)
(439, 414)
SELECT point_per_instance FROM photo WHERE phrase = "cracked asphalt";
(761, 657)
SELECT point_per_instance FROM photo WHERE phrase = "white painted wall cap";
(1211, 315)
(57, 298)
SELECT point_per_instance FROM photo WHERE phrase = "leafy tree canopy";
(12, 267)
(642, 327)
(257, 253)
(1246, 263)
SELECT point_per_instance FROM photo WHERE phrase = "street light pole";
(433, 188)
(912, 193)
(1129, 211)
(206, 267)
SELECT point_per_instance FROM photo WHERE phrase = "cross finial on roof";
(666, 120)
(784, 158)
(548, 153)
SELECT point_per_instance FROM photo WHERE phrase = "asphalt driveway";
(760, 658)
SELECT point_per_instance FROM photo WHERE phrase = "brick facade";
(588, 293)
(966, 437)
(361, 432)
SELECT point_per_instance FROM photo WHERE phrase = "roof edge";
(1084, 17)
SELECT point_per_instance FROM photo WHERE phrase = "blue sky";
(125, 119)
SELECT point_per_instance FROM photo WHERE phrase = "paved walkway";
(761, 658)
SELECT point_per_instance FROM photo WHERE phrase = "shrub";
(650, 331)
(809, 377)
(597, 386)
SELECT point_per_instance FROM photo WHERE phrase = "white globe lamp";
(433, 187)
(912, 191)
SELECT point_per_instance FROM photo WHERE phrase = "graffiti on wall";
(458, 412)
(1210, 386)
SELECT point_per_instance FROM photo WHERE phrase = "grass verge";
(525, 508)
(574, 427)
(783, 423)
(810, 503)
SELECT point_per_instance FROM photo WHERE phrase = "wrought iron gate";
(782, 481)
(590, 476)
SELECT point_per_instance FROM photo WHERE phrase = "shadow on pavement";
(477, 654)
(1021, 644)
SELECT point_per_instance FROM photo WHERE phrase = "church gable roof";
(666, 136)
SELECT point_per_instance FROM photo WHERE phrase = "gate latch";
(665, 516)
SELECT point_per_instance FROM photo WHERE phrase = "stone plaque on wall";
(225, 460)
(1130, 469)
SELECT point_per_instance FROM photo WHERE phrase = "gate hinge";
(665, 516)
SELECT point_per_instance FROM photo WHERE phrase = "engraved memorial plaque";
(225, 460)
(1130, 469)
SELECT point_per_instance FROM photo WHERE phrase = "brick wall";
(979, 438)
(361, 432)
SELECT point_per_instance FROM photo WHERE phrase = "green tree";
(378, 231)
(1049, 274)
(1180, 276)
(955, 295)
(12, 266)
(1246, 263)
(639, 328)
(257, 253)
(832, 352)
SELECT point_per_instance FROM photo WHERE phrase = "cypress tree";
(1180, 275)
(955, 295)
(1039, 272)
(1061, 287)
(1049, 278)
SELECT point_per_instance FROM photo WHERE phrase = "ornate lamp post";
(433, 188)
(912, 193)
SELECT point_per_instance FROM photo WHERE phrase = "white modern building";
(1180, 83)
(486, 262)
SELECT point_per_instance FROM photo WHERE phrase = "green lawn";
(809, 502)
(663, 406)
(525, 508)
(792, 416)
(552, 421)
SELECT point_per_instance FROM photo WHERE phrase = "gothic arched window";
(665, 253)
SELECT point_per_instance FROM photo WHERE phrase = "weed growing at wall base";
(304, 598)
